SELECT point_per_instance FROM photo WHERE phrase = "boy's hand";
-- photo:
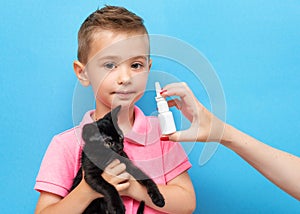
(133, 190)
(115, 174)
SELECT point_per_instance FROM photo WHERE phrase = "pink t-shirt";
(162, 161)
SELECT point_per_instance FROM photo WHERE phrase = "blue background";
(254, 47)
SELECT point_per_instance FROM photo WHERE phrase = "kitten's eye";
(110, 65)
(108, 142)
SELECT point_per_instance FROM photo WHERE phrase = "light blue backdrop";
(254, 47)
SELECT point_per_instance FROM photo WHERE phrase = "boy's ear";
(149, 64)
(81, 73)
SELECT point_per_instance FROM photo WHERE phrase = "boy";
(113, 57)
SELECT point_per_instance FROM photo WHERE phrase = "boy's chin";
(126, 104)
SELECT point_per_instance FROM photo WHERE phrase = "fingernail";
(164, 138)
(163, 91)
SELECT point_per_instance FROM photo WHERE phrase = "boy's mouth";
(123, 94)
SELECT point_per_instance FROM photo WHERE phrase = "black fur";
(103, 144)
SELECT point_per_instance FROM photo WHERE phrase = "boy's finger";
(122, 178)
(117, 169)
(122, 186)
(113, 163)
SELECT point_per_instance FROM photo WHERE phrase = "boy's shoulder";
(69, 136)
(68, 132)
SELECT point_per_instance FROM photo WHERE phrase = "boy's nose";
(124, 76)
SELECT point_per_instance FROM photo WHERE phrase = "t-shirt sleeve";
(59, 167)
(175, 160)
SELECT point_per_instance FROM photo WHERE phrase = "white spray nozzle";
(157, 89)
(162, 104)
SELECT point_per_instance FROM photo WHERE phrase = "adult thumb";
(184, 135)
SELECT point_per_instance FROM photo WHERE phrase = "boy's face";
(118, 67)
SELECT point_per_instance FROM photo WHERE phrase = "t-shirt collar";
(138, 133)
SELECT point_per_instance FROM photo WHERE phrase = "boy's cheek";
(97, 78)
(97, 83)
(141, 78)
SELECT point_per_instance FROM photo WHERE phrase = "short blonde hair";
(113, 18)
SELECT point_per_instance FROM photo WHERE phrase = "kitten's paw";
(157, 198)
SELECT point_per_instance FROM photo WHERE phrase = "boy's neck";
(125, 117)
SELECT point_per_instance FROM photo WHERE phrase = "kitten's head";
(105, 132)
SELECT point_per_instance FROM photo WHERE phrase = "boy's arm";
(75, 202)
(79, 199)
(178, 193)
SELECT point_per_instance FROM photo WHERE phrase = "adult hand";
(204, 125)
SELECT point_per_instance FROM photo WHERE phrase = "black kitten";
(103, 144)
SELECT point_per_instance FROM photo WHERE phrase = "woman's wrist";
(228, 135)
(233, 138)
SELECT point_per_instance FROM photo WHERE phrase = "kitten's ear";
(88, 131)
(113, 115)
(115, 112)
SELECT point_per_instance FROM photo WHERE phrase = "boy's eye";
(110, 65)
(137, 65)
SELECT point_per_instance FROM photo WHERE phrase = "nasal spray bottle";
(165, 116)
